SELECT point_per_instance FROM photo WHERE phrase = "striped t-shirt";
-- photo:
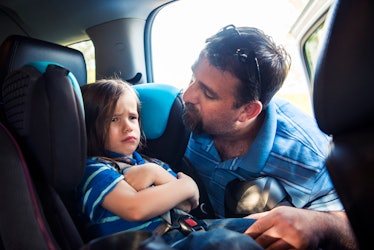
(99, 179)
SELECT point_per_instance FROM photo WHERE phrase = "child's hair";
(100, 100)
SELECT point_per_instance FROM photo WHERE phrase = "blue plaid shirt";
(289, 147)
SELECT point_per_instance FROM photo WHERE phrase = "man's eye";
(208, 95)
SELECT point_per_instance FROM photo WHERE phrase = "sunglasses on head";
(245, 56)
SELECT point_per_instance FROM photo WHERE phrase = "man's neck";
(234, 146)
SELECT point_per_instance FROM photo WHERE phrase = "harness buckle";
(189, 224)
(180, 220)
(185, 222)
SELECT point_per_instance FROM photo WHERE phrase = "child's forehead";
(127, 102)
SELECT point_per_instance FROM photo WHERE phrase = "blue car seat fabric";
(161, 119)
(157, 101)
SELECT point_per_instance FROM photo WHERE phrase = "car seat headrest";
(161, 118)
(17, 51)
(42, 67)
(156, 103)
(343, 93)
(45, 111)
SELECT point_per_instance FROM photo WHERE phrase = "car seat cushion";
(45, 110)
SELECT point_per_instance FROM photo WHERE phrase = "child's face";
(124, 130)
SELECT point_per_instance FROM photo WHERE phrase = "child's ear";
(251, 110)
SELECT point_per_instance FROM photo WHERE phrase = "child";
(115, 197)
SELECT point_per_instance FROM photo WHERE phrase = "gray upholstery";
(344, 108)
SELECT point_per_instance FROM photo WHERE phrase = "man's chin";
(191, 124)
(192, 120)
(197, 128)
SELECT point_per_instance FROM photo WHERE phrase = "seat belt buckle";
(180, 220)
(189, 224)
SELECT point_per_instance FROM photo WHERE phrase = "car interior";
(42, 130)
(46, 145)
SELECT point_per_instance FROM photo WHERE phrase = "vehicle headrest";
(17, 51)
(343, 85)
(44, 109)
(161, 118)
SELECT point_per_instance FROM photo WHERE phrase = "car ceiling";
(66, 21)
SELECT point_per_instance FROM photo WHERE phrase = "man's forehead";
(221, 83)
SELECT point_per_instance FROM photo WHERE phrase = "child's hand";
(193, 201)
(185, 206)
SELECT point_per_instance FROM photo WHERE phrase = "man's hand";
(286, 228)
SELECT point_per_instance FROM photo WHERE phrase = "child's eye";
(115, 119)
(133, 117)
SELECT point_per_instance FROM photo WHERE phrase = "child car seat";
(42, 146)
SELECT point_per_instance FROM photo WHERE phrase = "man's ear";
(250, 111)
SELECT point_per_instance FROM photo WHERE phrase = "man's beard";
(192, 118)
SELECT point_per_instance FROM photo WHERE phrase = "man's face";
(210, 100)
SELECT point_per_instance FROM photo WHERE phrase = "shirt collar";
(137, 159)
(258, 154)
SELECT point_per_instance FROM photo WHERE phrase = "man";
(240, 132)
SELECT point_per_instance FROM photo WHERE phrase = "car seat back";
(23, 224)
(44, 113)
(344, 108)
(43, 145)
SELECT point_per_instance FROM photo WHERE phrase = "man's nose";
(189, 94)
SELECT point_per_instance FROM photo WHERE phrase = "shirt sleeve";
(99, 180)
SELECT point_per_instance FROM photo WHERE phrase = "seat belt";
(180, 220)
(253, 195)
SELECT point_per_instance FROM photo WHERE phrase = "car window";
(88, 50)
(310, 49)
(180, 28)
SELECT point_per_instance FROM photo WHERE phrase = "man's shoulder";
(285, 107)
(292, 117)
(299, 129)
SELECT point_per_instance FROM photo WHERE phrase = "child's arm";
(150, 202)
(142, 176)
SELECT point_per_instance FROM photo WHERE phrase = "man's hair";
(251, 56)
